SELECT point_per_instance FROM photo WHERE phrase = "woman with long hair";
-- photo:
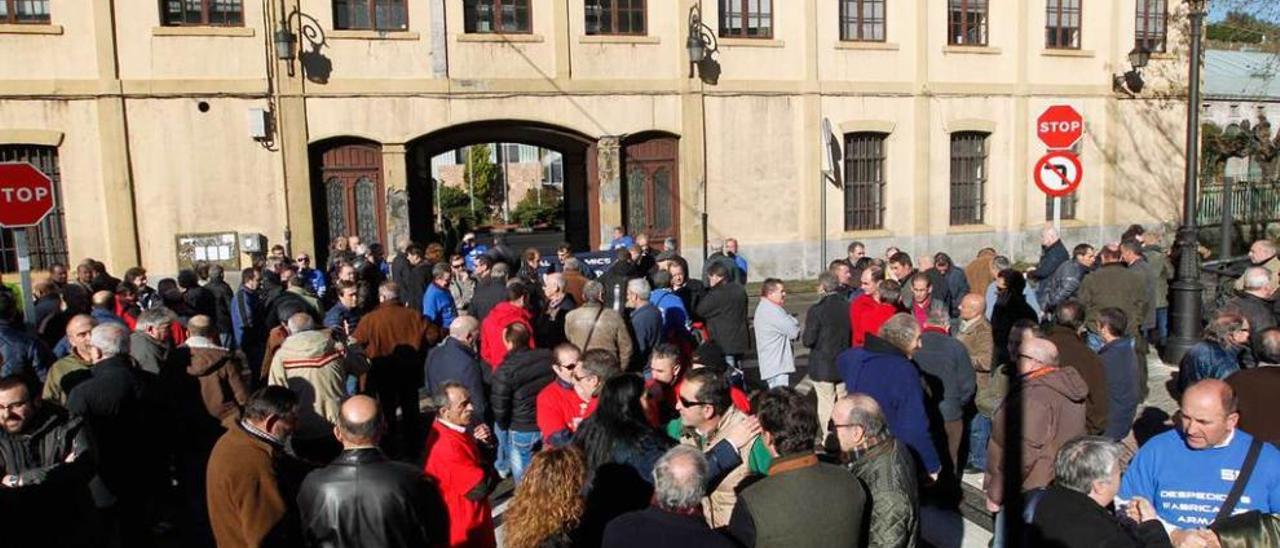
(620, 449)
(548, 504)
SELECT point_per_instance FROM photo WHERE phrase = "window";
(1149, 25)
(968, 177)
(862, 20)
(24, 11)
(967, 22)
(1062, 24)
(864, 181)
(384, 15)
(746, 18)
(218, 13)
(47, 241)
(496, 16)
(615, 16)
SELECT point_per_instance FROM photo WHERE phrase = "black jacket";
(363, 499)
(724, 310)
(54, 492)
(489, 292)
(113, 404)
(414, 285)
(691, 293)
(1260, 314)
(222, 294)
(451, 361)
(826, 334)
(1050, 258)
(948, 373)
(1061, 285)
(654, 527)
(1066, 519)
(201, 301)
(522, 374)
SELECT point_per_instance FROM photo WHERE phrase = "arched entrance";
(580, 213)
(651, 185)
(347, 191)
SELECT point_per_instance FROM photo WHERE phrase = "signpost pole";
(822, 190)
(24, 272)
(1057, 214)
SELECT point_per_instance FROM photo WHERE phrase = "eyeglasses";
(835, 426)
(568, 366)
(459, 265)
(689, 403)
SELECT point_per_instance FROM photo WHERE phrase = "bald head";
(103, 299)
(359, 423)
(1212, 394)
(972, 306)
(1207, 415)
(199, 326)
(464, 328)
(1036, 354)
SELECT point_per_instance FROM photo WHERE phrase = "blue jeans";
(500, 462)
(521, 448)
(979, 433)
(1162, 327)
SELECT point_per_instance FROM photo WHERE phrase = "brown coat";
(391, 328)
(1053, 413)
(219, 373)
(978, 273)
(248, 503)
(1073, 353)
(610, 331)
(976, 338)
(275, 338)
(574, 283)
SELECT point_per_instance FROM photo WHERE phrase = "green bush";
(529, 212)
(455, 205)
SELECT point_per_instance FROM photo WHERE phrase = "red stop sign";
(1059, 126)
(26, 195)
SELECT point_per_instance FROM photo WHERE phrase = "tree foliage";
(1241, 27)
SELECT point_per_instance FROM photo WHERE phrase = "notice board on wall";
(218, 248)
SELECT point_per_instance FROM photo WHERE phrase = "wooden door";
(351, 179)
(652, 188)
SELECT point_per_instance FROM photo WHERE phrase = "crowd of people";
(370, 401)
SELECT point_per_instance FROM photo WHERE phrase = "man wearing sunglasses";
(558, 404)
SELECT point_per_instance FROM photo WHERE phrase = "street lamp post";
(1186, 289)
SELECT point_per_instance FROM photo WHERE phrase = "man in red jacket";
(560, 409)
(876, 305)
(454, 462)
(512, 310)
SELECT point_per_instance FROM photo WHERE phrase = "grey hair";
(827, 282)
(939, 314)
(1085, 460)
(1256, 277)
(593, 291)
(440, 398)
(216, 272)
(900, 331)
(300, 322)
(716, 244)
(1000, 262)
(866, 412)
(112, 339)
(640, 287)
(572, 264)
(499, 270)
(679, 479)
(463, 325)
(153, 317)
(554, 279)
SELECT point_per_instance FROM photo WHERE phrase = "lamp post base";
(1185, 297)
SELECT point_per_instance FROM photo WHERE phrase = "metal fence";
(1247, 202)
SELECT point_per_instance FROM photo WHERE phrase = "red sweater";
(492, 347)
(866, 315)
(453, 462)
(560, 409)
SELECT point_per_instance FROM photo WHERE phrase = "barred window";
(1149, 23)
(384, 15)
(1062, 24)
(496, 17)
(47, 241)
(968, 177)
(862, 20)
(864, 181)
(746, 18)
(214, 13)
(967, 22)
(24, 11)
(615, 17)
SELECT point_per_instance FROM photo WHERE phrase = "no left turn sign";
(1058, 173)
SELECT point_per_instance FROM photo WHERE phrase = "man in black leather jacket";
(363, 498)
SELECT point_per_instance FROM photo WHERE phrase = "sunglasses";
(303, 259)
(690, 403)
(459, 265)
